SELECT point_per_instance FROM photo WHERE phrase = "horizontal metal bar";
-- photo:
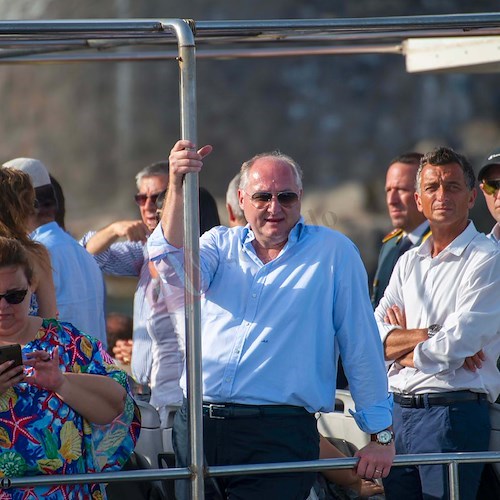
(231, 470)
(79, 26)
(462, 21)
(202, 54)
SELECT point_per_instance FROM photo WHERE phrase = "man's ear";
(230, 213)
(240, 198)
(472, 197)
(418, 202)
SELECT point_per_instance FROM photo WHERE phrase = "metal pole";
(453, 480)
(187, 67)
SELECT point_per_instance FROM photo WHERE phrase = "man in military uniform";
(410, 225)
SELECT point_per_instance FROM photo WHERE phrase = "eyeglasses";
(15, 297)
(141, 198)
(491, 187)
(261, 199)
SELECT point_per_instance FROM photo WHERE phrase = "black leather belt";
(437, 398)
(230, 410)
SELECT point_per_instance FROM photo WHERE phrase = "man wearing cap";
(489, 182)
(77, 278)
(439, 320)
(410, 225)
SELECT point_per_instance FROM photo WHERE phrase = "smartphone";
(11, 352)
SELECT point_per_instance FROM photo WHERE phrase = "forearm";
(401, 342)
(172, 220)
(98, 398)
(407, 360)
(102, 240)
(342, 477)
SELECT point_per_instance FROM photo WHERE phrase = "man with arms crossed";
(281, 300)
(440, 322)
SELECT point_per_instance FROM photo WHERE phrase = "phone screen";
(11, 352)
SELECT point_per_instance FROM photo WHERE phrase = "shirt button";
(228, 379)
(254, 295)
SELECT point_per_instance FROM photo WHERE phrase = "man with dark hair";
(439, 320)
(410, 225)
(78, 281)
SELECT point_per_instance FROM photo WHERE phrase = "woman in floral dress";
(68, 409)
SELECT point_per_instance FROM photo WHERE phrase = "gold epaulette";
(426, 234)
(393, 234)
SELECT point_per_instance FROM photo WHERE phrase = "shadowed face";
(13, 281)
(492, 195)
(271, 221)
(400, 196)
(151, 187)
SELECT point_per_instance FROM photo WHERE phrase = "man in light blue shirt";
(77, 278)
(281, 301)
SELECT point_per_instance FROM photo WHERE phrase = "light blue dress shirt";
(77, 279)
(272, 333)
(129, 258)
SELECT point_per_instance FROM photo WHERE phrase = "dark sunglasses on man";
(491, 186)
(261, 199)
(142, 198)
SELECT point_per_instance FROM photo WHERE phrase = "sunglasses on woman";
(14, 297)
(491, 187)
(262, 199)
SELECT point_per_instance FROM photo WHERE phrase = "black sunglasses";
(262, 199)
(15, 297)
(491, 187)
(141, 198)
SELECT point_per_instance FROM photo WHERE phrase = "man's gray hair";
(445, 156)
(232, 197)
(155, 169)
(245, 168)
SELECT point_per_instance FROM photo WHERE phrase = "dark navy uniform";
(394, 245)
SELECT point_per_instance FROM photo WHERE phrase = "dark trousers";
(459, 427)
(262, 439)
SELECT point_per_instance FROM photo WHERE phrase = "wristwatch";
(433, 329)
(385, 437)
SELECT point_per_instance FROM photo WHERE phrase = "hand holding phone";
(11, 352)
(10, 375)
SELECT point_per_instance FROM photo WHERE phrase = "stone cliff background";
(342, 117)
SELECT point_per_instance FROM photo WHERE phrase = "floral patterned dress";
(40, 434)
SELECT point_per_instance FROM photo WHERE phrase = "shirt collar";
(415, 235)
(42, 229)
(495, 233)
(456, 247)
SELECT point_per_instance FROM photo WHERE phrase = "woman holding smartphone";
(68, 410)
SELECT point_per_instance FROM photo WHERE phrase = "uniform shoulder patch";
(393, 234)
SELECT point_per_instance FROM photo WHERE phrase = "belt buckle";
(211, 413)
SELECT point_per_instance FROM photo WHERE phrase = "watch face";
(384, 437)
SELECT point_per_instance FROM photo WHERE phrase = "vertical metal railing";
(187, 90)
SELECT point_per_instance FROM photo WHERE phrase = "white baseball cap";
(34, 168)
